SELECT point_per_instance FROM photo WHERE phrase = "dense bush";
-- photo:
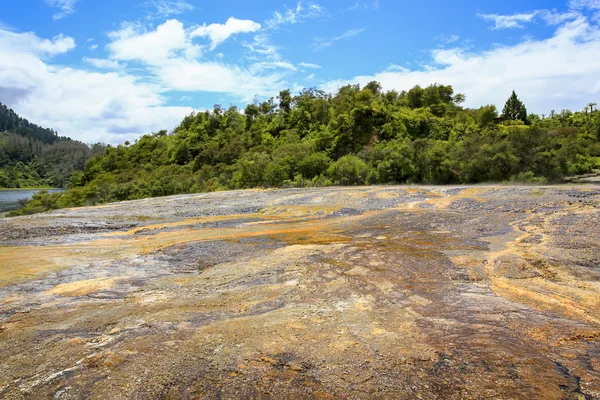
(357, 136)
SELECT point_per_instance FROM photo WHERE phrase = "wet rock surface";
(380, 292)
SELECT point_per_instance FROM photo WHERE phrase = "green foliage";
(34, 156)
(514, 109)
(349, 170)
(357, 136)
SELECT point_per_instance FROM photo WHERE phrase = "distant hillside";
(10, 121)
(31, 155)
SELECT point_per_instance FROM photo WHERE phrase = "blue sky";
(111, 70)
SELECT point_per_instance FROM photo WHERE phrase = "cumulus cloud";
(66, 7)
(131, 42)
(541, 71)
(195, 76)
(174, 61)
(85, 105)
(29, 42)
(218, 33)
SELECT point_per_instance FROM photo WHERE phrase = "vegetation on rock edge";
(357, 136)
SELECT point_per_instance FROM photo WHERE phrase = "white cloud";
(509, 21)
(85, 105)
(447, 39)
(349, 33)
(303, 11)
(195, 76)
(309, 65)
(103, 63)
(585, 4)
(21, 42)
(357, 5)
(170, 39)
(270, 65)
(310, 77)
(218, 33)
(541, 71)
(66, 7)
(550, 17)
(167, 8)
(321, 43)
(262, 46)
(173, 61)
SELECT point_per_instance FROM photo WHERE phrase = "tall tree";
(591, 106)
(459, 98)
(285, 100)
(514, 109)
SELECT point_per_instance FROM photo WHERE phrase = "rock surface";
(382, 292)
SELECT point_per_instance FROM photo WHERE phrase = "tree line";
(359, 135)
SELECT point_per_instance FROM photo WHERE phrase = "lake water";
(9, 198)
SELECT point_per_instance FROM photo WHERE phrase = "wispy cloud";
(271, 65)
(448, 39)
(321, 43)
(309, 65)
(509, 21)
(363, 5)
(167, 8)
(550, 17)
(66, 7)
(583, 4)
(262, 47)
(302, 11)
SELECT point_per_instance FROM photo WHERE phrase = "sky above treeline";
(112, 70)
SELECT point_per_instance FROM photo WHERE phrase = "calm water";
(9, 198)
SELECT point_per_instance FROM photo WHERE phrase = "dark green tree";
(514, 109)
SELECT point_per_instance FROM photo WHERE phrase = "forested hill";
(31, 155)
(356, 136)
(10, 121)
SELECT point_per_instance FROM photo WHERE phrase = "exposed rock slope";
(385, 292)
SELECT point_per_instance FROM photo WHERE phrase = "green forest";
(32, 156)
(358, 136)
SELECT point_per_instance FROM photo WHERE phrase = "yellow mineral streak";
(82, 288)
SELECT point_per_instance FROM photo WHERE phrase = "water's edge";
(9, 198)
